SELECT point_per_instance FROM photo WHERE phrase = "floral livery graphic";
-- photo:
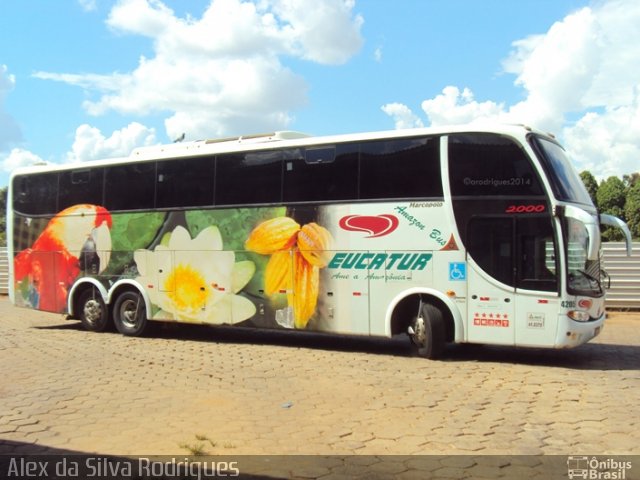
(76, 240)
(181, 262)
(297, 255)
(196, 281)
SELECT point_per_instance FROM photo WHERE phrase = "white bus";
(463, 234)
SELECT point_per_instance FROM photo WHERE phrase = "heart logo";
(375, 226)
(585, 303)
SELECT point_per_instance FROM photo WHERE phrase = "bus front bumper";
(572, 333)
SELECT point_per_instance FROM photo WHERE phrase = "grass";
(203, 442)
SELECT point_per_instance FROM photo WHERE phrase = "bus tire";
(130, 314)
(92, 311)
(429, 332)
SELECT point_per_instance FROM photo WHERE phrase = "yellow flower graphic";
(297, 255)
(194, 280)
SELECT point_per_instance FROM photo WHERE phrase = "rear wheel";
(427, 332)
(129, 314)
(92, 311)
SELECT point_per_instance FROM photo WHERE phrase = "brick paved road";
(240, 392)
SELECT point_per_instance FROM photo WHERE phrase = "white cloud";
(19, 157)
(7, 80)
(324, 32)
(584, 68)
(455, 107)
(451, 107)
(88, 5)
(91, 144)
(10, 133)
(221, 74)
(402, 115)
(607, 144)
(377, 54)
(557, 69)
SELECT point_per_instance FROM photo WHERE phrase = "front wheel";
(92, 311)
(129, 314)
(428, 332)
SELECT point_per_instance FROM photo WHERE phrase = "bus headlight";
(578, 315)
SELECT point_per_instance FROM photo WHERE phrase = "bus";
(467, 234)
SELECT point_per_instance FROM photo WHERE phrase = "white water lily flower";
(194, 280)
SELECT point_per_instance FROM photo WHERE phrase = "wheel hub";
(92, 311)
(130, 314)
(419, 331)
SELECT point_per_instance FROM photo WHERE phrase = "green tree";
(590, 183)
(631, 179)
(632, 209)
(611, 199)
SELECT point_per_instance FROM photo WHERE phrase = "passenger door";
(513, 284)
(490, 314)
(536, 281)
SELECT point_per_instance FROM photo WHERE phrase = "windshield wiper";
(591, 278)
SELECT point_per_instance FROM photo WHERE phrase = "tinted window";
(485, 164)
(130, 187)
(408, 168)
(565, 182)
(251, 177)
(36, 194)
(536, 254)
(186, 182)
(489, 242)
(324, 173)
(80, 186)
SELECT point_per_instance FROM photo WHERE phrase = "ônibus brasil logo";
(375, 226)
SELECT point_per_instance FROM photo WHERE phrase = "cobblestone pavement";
(237, 392)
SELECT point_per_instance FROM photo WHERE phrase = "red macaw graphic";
(76, 239)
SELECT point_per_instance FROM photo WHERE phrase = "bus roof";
(282, 139)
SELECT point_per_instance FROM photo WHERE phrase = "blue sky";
(87, 79)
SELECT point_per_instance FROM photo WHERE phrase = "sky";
(92, 79)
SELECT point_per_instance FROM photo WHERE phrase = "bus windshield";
(565, 182)
(583, 275)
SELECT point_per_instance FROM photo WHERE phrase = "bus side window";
(130, 186)
(185, 182)
(407, 168)
(36, 194)
(81, 186)
(249, 178)
(326, 173)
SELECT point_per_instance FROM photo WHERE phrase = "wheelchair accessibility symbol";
(457, 271)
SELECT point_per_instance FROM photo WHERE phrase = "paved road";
(234, 392)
